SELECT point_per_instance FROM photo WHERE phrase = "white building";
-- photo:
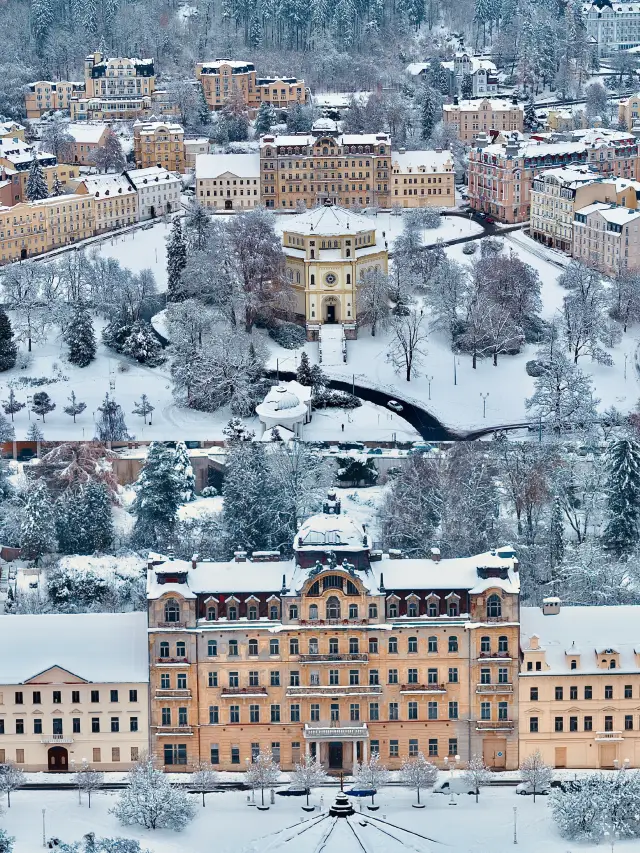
(612, 26)
(286, 407)
(158, 191)
(483, 73)
(193, 147)
(228, 181)
(115, 201)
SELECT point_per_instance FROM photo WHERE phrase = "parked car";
(292, 791)
(526, 788)
(489, 220)
(361, 792)
(395, 405)
(456, 786)
(25, 454)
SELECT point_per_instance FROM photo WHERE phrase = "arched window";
(354, 646)
(172, 611)
(253, 612)
(494, 606)
(353, 611)
(211, 614)
(412, 609)
(312, 278)
(433, 644)
(413, 645)
(313, 611)
(333, 646)
(452, 608)
(432, 608)
(453, 644)
(232, 612)
(164, 650)
(612, 664)
(373, 611)
(293, 611)
(503, 644)
(273, 612)
(485, 644)
(333, 607)
(253, 647)
(574, 663)
(313, 647)
(181, 649)
(392, 609)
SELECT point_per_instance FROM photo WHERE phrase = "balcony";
(494, 656)
(172, 662)
(180, 625)
(172, 694)
(335, 730)
(243, 692)
(422, 688)
(494, 688)
(333, 658)
(336, 690)
(494, 725)
(169, 731)
(56, 739)
(609, 736)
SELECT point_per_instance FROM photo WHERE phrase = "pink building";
(501, 176)
(607, 237)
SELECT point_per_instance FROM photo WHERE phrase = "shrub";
(535, 367)
(288, 335)
(329, 398)
(470, 248)
(209, 492)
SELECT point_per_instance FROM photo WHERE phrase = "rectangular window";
(453, 674)
(18, 699)
(275, 678)
(393, 676)
(413, 710)
(354, 677)
(133, 724)
(533, 694)
(315, 712)
(432, 710)
(115, 724)
(608, 691)
(559, 694)
(503, 711)
(573, 693)
(375, 747)
(212, 648)
(374, 711)
(608, 724)
(235, 755)
(573, 724)
(453, 710)
(57, 697)
(113, 696)
(213, 679)
(95, 724)
(295, 713)
(215, 753)
(175, 753)
(393, 710)
(432, 676)
(588, 724)
(75, 696)
(254, 678)
(214, 715)
(37, 726)
(485, 710)
(76, 725)
(234, 679)
(413, 746)
(95, 695)
(115, 753)
(275, 713)
(393, 749)
(453, 746)
(57, 726)
(559, 724)
(628, 691)
(334, 677)
(533, 724)
(373, 677)
(588, 692)
(628, 722)
(433, 747)
(354, 712)
(234, 713)
(133, 696)
(254, 713)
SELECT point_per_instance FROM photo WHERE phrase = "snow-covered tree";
(110, 426)
(248, 519)
(34, 433)
(185, 473)
(70, 464)
(38, 529)
(7, 432)
(418, 773)
(42, 404)
(89, 780)
(407, 347)
(412, 506)
(373, 300)
(371, 774)
(109, 157)
(80, 338)
(624, 304)
(75, 407)
(143, 407)
(176, 262)
(309, 774)
(143, 345)
(263, 772)
(6, 841)
(556, 535)
(37, 188)
(597, 99)
(265, 119)
(447, 288)
(203, 779)
(602, 806)
(534, 770)
(8, 348)
(11, 778)
(476, 773)
(151, 801)
(563, 397)
(303, 373)
(12, 405)
(158, 496)
(197, 228)
(429, 111)
(56, 138)
(57, 188)
(622, 530)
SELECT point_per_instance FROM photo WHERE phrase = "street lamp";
(451, 762)
(429, 380)
(484, 403)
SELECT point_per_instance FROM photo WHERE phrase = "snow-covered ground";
(471, 828)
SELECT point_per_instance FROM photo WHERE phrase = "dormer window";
(211, 614)
(574, 663)
(412, 609)
(232, 612)
(274, 612)
(252, 613)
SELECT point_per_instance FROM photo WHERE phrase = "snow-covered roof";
(328, 220)
(226, 577)
(103, 186)
(570, 176)
(416, 68)
(591, 629)
(494, 104)
(89, 133)
(215, 64)
(340, 532)
(99, 647)
(150, 175)
(611, 213)
(303, 139)
(433, 161)
(326, 124)
(213, 165)
(10, 127)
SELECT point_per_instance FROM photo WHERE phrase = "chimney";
(435, 555)
(481, 140)
(551, 606)
(395, 553)
(194, 561)
(240, 556)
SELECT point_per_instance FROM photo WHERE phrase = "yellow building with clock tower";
(328, 250)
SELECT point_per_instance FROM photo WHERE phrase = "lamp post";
(451, 762)
(484, 403)
(44, 833)
(515, 824)
(429, 380)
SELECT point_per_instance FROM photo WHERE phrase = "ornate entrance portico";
(337, 747)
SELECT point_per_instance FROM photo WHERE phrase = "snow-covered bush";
(535, 367)
(149, 800)
(357, 471)
(209, 492)
(328, 398)
(598, 805)
(6, 842)
(142, 344)
(469, 248)
(288, 335)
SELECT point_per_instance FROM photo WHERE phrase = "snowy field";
(236, 828)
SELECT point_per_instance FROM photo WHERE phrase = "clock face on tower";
(330, 278)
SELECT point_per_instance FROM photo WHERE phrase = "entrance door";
(228, 204)
(561, 756)
(607, 754)
(335, 756)
(58, 759)
(331, 313)
(494, 752)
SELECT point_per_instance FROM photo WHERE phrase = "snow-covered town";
(319, 426)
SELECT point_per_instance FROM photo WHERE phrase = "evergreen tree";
(71, 523)
(304, 374)
(75, 407)
(176, 262)
(429, 111)
(42, 404)
(531, 122)
(57, 188)
(7, 432)
(265, 119)
(202, 107)
(97, 506)
(197, 230)
(8, 348)
(80, 338)
(466, 87)
(438, 77)
(143, 407)
(111, 425)
(622, 532)
(158, 496)
(36, 183)
(12, 405)
(6, 840)
(142, 344)
(185, 473)
(34, 433)
(556, 535)
(38, 528)
(247, 491)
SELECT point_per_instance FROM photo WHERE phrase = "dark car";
(25, 454)
(361, 792)
(490, 220)
(293, 791)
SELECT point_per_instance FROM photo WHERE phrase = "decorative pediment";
(211, 599)
(56, 675)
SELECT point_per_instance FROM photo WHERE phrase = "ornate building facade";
(339, 651)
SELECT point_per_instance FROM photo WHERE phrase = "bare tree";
(309, 774)
(109, 157)
(407, 347)
(476, 773)
(263, 772)
(624, 305)
(504, 336)
(373, 300)
(57, 139)
(534, 770)
(372, 774)
(89, 780)
(474, 338)
(418, 773)
(11, 778)
(204, 779)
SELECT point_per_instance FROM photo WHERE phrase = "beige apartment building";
(87, 138)
(221, 78)
(490, 116)
(346, 169)
(422, 179)
(629, 111)
(192, 148)
(606, 236)
(77, 691)
(228, 181)
(580, 685)
(45, 96)
(558, 193)
(115, 201)
(157, 143)
(28, 229)
(339, 652)
(11, 130)
(16, 157)
(501, 176)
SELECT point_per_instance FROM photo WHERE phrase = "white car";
(526, 788)
(395, 405)
(458, 786)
